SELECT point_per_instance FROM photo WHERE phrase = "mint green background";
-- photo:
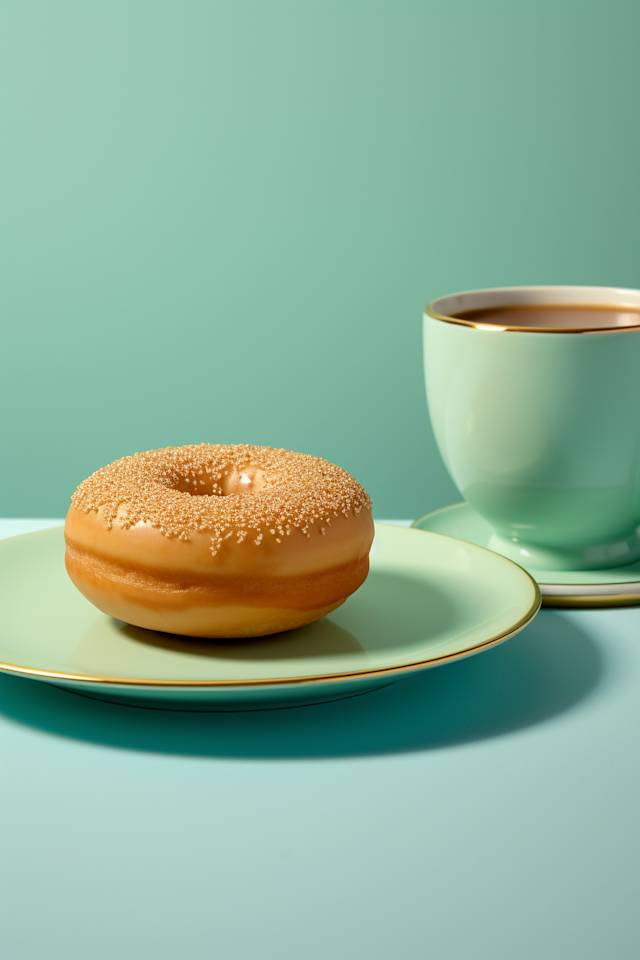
(222, 221)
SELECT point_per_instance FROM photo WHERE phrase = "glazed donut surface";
(219, 540)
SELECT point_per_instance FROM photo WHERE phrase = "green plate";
(611, 587)
(428, 600)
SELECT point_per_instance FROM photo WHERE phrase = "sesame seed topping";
(296, 489)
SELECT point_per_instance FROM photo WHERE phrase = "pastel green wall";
(221, 221)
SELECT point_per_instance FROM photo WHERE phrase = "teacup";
(534, 397)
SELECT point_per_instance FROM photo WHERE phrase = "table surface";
(488, 808)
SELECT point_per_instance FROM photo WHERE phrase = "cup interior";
(566, 309)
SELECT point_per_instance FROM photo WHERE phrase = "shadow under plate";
(548, 668)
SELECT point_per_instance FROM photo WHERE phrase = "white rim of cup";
(444, 307)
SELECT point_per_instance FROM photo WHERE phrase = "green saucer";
(428, 600)
(613, 587)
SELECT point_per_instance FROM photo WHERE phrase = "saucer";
(428, 600)
(612, 587)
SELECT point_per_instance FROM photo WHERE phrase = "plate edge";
(147, 683)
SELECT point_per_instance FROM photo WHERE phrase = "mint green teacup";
(538, 421)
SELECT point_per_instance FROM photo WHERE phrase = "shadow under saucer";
(547, 669)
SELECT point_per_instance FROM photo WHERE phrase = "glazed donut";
(219, 541)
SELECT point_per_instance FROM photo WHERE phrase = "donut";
(216, 540)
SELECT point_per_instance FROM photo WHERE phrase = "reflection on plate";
(613, 587)
(428, 600)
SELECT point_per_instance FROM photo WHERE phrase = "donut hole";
(242, 480)
(236, 481)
